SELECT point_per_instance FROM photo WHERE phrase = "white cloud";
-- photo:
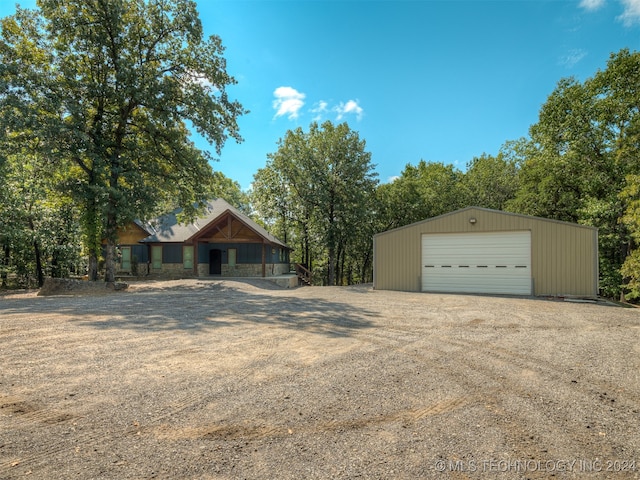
(631, 13)
(591, 5)
(351, 107)
(319, 110)
(572, 57)
(288, 102)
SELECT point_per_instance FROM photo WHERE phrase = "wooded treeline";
(98, 100)
(580, 163)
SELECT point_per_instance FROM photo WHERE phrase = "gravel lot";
(230, 380)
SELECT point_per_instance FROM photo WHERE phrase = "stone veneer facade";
(176, 270)
(246, 270)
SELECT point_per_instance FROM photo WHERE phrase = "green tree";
(581, 160)
(490, 182)
(37, 224)
(619, 93)
(553, 177)
(282, 195)
(316, 188)
(112, 90)
(630, 270)
(357, 265)
(271, 199)
(422, 191)
(223, 187)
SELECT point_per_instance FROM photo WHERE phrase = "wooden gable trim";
(226, 229)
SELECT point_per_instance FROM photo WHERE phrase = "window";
(125, 258)
(232, 257)
(156, 257)
(187, 257)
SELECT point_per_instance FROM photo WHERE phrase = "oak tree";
(112, 90)
(316, 188)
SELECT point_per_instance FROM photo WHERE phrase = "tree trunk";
(625, 250)
(306, 250)
(5, 263)
(111, 226)
(365, 268)
(92, 271)
(331, 270)
(37, 254)
(55, 266)
(92, 224)
(110, 262)
(340, 259)
(283, 216)
(331, 242)
(39, 272)
(345, 276)
(110, 254)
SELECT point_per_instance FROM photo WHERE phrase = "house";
(222, 242)
(477, 250)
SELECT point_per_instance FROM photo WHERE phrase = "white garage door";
(495, 262)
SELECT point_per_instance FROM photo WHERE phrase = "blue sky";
(423, 79)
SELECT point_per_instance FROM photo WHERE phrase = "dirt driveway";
(211, 379)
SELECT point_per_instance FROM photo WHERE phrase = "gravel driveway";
(231, 380)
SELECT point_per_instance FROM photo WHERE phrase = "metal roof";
(488, 210)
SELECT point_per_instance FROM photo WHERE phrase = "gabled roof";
(144, 226)
(167, 229)
(487, 210)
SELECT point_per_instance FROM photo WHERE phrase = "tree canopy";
(107, 93)
(315, 190)
(581, 162)
(99, 99)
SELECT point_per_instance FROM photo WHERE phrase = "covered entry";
(215, 261)
(487, 262)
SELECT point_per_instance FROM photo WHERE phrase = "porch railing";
(303, 273)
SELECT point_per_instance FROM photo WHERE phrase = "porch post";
(195, 257)
(264, 255)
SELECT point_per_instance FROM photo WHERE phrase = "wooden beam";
(234, 240)
(222, 232)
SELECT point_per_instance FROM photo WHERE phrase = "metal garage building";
(477, 250)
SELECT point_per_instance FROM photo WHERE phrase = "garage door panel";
(478, 283)
(495, 262)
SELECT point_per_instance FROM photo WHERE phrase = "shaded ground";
(68, 286)
(221, 379)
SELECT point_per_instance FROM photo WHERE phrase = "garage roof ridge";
(490, 210)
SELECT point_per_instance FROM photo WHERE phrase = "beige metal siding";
(563, 255)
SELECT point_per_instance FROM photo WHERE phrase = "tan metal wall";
(564, 256)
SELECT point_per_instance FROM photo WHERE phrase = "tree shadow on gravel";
(202, 309)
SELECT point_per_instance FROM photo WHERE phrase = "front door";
(215, 262)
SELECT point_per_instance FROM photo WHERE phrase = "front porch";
(288, 280)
